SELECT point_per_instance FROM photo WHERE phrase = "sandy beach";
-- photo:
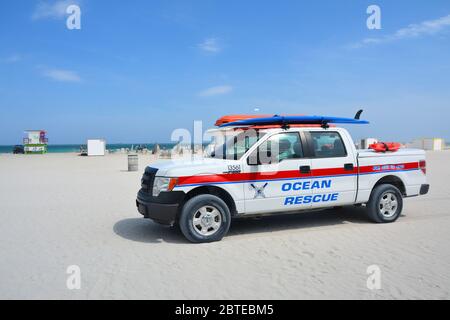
(59, 210)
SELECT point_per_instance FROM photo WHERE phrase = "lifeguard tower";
(35, 142)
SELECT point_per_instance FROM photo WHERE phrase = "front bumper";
(162, 209)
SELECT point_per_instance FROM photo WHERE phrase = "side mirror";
(250, 162)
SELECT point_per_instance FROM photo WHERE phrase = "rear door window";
(327, 144)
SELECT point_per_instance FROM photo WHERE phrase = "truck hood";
(181, 168)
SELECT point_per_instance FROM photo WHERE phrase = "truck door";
(334, 169)
(277, 175)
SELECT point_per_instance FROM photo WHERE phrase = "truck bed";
(369, 153)
(403, 164)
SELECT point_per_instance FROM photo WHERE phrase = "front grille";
(147, 179)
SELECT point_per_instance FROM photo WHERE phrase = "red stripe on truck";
(292, 174)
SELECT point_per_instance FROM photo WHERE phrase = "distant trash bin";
(133, 164)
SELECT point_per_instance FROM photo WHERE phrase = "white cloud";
(61, 75)
(215, 91)
(210, 45)
(12, 58)
(52, 10)
(425, 28)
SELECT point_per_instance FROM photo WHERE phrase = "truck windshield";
(232, 145)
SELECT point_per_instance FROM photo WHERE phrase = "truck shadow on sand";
(297, 221)
(144, 230)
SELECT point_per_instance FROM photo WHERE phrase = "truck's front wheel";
(205, 218)
(385, 204)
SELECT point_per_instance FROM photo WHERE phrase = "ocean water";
(65, 148)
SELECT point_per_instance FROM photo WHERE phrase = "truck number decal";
(234, 169)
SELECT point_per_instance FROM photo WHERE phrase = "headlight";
(163, 184)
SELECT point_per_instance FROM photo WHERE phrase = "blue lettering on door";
(328, 197)
(306, 185)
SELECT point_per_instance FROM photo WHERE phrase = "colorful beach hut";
(35, 142)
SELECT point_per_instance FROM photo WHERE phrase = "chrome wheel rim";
(207, 220)
(388, 204)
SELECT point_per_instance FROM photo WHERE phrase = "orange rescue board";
(385, 146)
(237, 117)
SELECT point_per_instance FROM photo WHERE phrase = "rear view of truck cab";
(278, 165)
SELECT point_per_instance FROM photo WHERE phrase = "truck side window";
(328, 144)
(282, 146)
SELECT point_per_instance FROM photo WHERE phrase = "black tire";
(375, 206)
(191, 208)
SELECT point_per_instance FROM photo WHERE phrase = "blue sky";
(137, 70)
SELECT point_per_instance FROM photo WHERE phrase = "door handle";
(349, 166)
(305, 169)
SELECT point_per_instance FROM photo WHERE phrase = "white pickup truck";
(278, 170)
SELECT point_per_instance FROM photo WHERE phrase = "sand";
(58, 210)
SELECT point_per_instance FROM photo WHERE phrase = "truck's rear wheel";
(385, 204)
(205, 218)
